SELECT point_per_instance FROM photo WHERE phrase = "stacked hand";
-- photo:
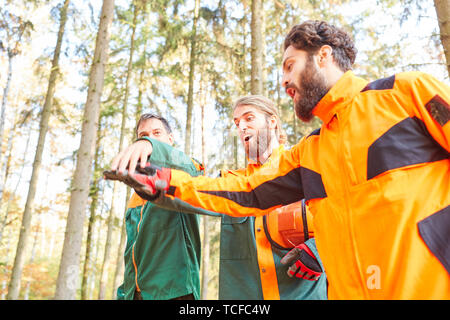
(148, 181)
(128, 159)
(130, 166)
(304, 264)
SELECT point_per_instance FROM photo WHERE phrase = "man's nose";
(284, 80)
(242, 126)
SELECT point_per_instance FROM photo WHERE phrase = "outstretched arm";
(275, 184)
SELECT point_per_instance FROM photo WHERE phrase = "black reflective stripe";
(305, 221)
(272, 242)
(312, 184)
(279, 191)
(439, 109)
(380, 84)
(435, 232)
(406, 143)
(314, 133)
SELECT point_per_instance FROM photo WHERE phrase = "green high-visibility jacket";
(163, 249)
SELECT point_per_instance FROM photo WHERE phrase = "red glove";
(147, 182)
(304, 264)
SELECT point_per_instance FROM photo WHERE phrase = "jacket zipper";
(347, 201)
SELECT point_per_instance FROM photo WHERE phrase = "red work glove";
(147, 182)
(304, 264)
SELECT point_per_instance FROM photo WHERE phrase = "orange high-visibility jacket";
(376, 177)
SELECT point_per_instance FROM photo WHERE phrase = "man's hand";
(303, 263)
(127, 159)
(147, 181)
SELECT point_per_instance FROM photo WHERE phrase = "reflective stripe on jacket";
(250, 266)
(376, 179)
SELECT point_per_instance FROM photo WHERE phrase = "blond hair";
(266, 106)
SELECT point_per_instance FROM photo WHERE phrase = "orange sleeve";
(275, 184)
(431, 104)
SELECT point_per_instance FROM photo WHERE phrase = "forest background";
(76, 74)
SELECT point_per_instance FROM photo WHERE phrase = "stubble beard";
(255, 149)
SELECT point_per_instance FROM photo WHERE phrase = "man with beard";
(251, 248)
(375, 176)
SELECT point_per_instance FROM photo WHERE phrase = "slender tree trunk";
(2, 112)
(108, 245)
(67, 281)
(108, 256)
(206, 239)
(14, 285)
(32, 257)
(5, 93)
(443, 14)
(256, 84)
(192, 63)
(87, 268)
(4, 220)
(118, 274)
(141, 86)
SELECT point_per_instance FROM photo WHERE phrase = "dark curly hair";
(313, 34)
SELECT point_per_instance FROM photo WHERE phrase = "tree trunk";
(67, 281)
(33, 255)
(87, 268)
(103, 275)
(14, 285)
(5, 94)
(192, 62)
(3, 222)
(206, 245)
(443, 14)
(2, 112)
(256, 83)
(109, 237)
(118, 274)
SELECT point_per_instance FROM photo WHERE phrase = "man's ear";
(324, 55)
(272, 122)
(170, 137)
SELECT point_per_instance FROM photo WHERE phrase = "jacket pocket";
(236, 237)
(435, 232)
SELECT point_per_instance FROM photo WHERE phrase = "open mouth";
(291, 92)
(247, 138)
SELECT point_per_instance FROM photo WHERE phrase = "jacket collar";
(252, 165)
(343, 90)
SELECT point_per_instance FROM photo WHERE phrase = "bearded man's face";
(303, 82)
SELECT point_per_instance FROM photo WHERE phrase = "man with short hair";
(162, 253)
(251, 248)
(375, 175)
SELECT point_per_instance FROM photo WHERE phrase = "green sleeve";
(164, 155)
(181, 206)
